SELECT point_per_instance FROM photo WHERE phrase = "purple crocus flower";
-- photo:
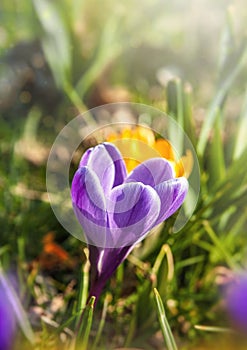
(117, 210)
(7, 320)
(236, 302)
(11, 313)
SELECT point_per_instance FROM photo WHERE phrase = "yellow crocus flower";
(139, 144)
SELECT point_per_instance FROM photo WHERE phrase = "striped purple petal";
(132, 210)
(120, 171)
(121, 219)
(107, 163)
(90, 205)
(152, 172)
(172, 194)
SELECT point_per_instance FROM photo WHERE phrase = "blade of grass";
(217, 103)
(189, 123)
(227, 43)
(131, 330)
(241, 140)
(84, 327)
(108, 49)
(219, 245)
(175, 109)
(214, 329)
(165, 251)
(75, 99)
(230, 183)
(165, 328)
(55, 39)
(68, 321)
(216, 154)
(83, 291)
(102, 322)
(190, 261)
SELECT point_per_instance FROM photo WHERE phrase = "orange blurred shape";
(53, 256)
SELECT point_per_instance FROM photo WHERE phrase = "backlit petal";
(119, 164)
(172, 194)
(107, 163)
(89, 205)
(132, 210)
(152, 172)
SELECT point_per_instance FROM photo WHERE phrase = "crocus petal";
(10, 312)
(236, 303)
(132, 210)
(152, 172)
(85, 157)
(172, 194)
(107, 163)
(119, 164)
(89, 205)
(7, 322)
(102, 165)
(104, 263)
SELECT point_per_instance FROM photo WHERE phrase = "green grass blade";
(218, 244)
(214, 329)
(55, 39)
(235, 175)
(85, 326)
(218, 101)
(227, 44)
(216, 155)
(108, 49)
(241, 140)
(83, 289)
(165, 328)
(164, 251)
(102, 322)
(189, 122)
(175, 109)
